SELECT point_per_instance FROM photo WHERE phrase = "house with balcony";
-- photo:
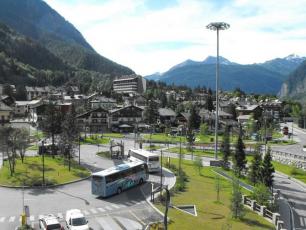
(125, 119)
(93, 121)
(5, 113)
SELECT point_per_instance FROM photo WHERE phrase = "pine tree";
(236, 200)
(239, 157)
(226, 148)
(255, 167)
(267, 169)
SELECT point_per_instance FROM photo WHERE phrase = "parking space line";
(101, 209)
(137, 218)
(86, 212)
(108, 208)
(94, 211)
(115, 206)
(12, 219)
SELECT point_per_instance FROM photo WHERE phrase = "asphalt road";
(129, 210)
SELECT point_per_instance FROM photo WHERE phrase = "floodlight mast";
(216, 26)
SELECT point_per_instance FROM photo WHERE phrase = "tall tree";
(236, 200)
(267, 169)
(69, 135)
(194, 119)
(226, 148)
(52, 122)
(151, 112)
(255, 167)
(22, 139)
(239, 157)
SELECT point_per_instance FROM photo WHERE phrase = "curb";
(302, 184)
(148, 199)
(42, 187)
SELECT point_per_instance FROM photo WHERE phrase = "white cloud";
(260, 30)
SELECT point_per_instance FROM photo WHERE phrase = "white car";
(49, 222)
(76, 220)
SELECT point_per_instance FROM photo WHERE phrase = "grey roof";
(166, 112)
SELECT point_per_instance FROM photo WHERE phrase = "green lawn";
(211, 214)
(290, 170)
(113, 135)
(105, 154)
(56, 172)
(153, 147)
(164, 138)
(33, 147)
(196, 152)
(95, 139)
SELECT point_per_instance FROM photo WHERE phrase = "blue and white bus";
(118, 178)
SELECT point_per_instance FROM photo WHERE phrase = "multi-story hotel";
(130, 84)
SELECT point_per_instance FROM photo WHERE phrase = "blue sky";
(153, 35)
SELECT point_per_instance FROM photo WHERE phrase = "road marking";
(60, 215)
(122, 205)
(12, 219)
(40, 216)
(302, 221)
(128, 203)
(33, 225)
(32, 218)
(101, 209)
(94, 211)
(128, 223)
(86, 212)
(108, 223)
(2, 219)
(134, 202)
(137, 218)
(115, 206)
(108, 208)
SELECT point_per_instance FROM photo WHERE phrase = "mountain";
(265, 77)
(24, 61)
(36, 20)
(284, 66)
(295, 86)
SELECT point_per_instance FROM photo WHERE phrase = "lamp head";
(218, 26)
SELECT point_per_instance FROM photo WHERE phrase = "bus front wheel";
(119, 190)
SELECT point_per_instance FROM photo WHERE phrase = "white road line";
(128, 203)
(2, 219)
(115, 206)
(94, 211)
(86, 212)
(134, 202)
(33, 225)
(60, 215)
(122, 205)
(137, 218)
(302, 221)
(108, 223)
(12, 219)
(128, 223)
(101, 209)
(108, 208)
(32, 218)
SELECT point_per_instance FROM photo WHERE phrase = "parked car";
(50, 222)
(76, 220)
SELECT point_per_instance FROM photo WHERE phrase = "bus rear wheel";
(140, 181)
(119, 190)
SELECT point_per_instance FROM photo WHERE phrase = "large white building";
(130, 84)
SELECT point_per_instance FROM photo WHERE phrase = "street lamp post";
(43, 161)
(217, 26)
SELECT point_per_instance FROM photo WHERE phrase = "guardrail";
(264, 211)
(297, 160)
